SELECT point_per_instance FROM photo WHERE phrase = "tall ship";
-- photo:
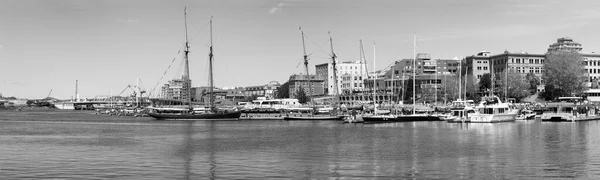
(312, 115)
(191, 113)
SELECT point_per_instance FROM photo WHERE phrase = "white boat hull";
(65, 106)
(492, 118)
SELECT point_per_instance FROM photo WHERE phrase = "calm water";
(81, 146)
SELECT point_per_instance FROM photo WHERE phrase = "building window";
(478, 76)
(478, 67)
(485, 68)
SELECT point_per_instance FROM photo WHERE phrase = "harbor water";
(81, 145)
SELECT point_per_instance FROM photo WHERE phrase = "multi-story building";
(429, 73)
(178, 89)
(520, 62)
(350, 75)
(298, 81)
(268, 90)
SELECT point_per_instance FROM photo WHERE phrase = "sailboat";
(212, 113)
(415, 116)
(313, 116)
(377, 117)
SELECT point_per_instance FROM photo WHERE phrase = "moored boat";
(571, 109)
(65, 105)
(460, 110)
(492, 110)
(212, 113)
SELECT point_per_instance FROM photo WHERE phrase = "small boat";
(460, 110)
(526, 115)
(492, 110)
(65, 105)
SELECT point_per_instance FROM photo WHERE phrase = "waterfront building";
(177, 89)
(268, 90)
(298, 81)
(350, 76)
(516, 62)
(429, 74)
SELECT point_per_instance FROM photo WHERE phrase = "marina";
(285, 89)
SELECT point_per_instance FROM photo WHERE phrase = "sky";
(106, 45)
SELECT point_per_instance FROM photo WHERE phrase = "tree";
(517, 87)
(485, 83)
(564, 74)
(301, 96)
(251, 98)
(472, 89)
(533, 81)
(284, 91)
(449, 90)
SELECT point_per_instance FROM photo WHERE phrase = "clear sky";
(106, 45)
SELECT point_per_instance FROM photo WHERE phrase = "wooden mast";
(210, 69)
(186, 73)
(306, 67)
(335, 82)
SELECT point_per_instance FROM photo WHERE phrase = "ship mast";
(306, 67)
(366, 71)
(414, 69)
(335, 82)
(186, 73)
(210, 69)
(374, 77)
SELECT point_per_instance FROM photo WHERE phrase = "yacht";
(570, 109)
(492, 110)
(459, 111)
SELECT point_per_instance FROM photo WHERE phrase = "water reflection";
(299, 150)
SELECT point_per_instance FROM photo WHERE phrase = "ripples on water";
(81, 146)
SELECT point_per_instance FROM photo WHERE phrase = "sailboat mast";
(414, 69)
(460, 79)
(436, 83)
(506, 77)
(492, 78)
(375, 76)
(466, 81)
(186, 73)
(210, 68)
(306, 67)
(335, 81)
(360, 57)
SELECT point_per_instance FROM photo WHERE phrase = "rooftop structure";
(565, 44)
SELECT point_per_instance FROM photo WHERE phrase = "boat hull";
(567, 117)
(492, 118)
(313, 118)
(380, 119)
(417, 118)
(207, 116)
(65, 106)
